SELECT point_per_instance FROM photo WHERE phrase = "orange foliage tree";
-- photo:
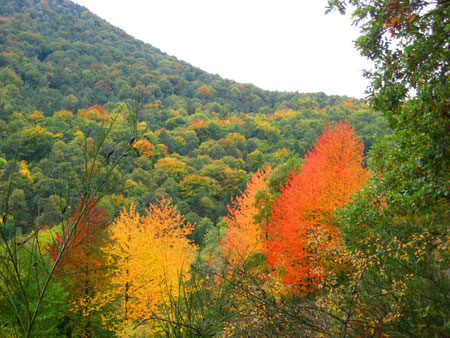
(144, 148)
(95, 112)
(303, 224)
(82, 262)
(148, 254)
(205, 92)
(244, 235)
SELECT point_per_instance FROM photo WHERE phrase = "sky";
(284, 45)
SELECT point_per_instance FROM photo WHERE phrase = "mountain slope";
(57, 55)
(64, 70)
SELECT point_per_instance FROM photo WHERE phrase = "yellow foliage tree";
(24, 170)
(149, 254)
(173, 166)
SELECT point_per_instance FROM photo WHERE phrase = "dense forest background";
(66, 71)
(141, 196)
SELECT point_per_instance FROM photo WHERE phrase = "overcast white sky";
(285, 45)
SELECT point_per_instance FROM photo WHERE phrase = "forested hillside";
(57, 55)
(141, 196)
(65, 72)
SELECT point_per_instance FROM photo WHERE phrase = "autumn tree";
(205, 92)
(83, 264)
(244, 235)
(302, 219)
(95, 112)
(149, 254)
(173, 166)
(144, 148)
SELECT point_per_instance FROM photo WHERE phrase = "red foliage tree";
(302, 217)
(82, 263)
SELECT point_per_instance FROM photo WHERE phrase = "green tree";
(400, 221)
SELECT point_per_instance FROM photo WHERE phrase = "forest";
(143, 197)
